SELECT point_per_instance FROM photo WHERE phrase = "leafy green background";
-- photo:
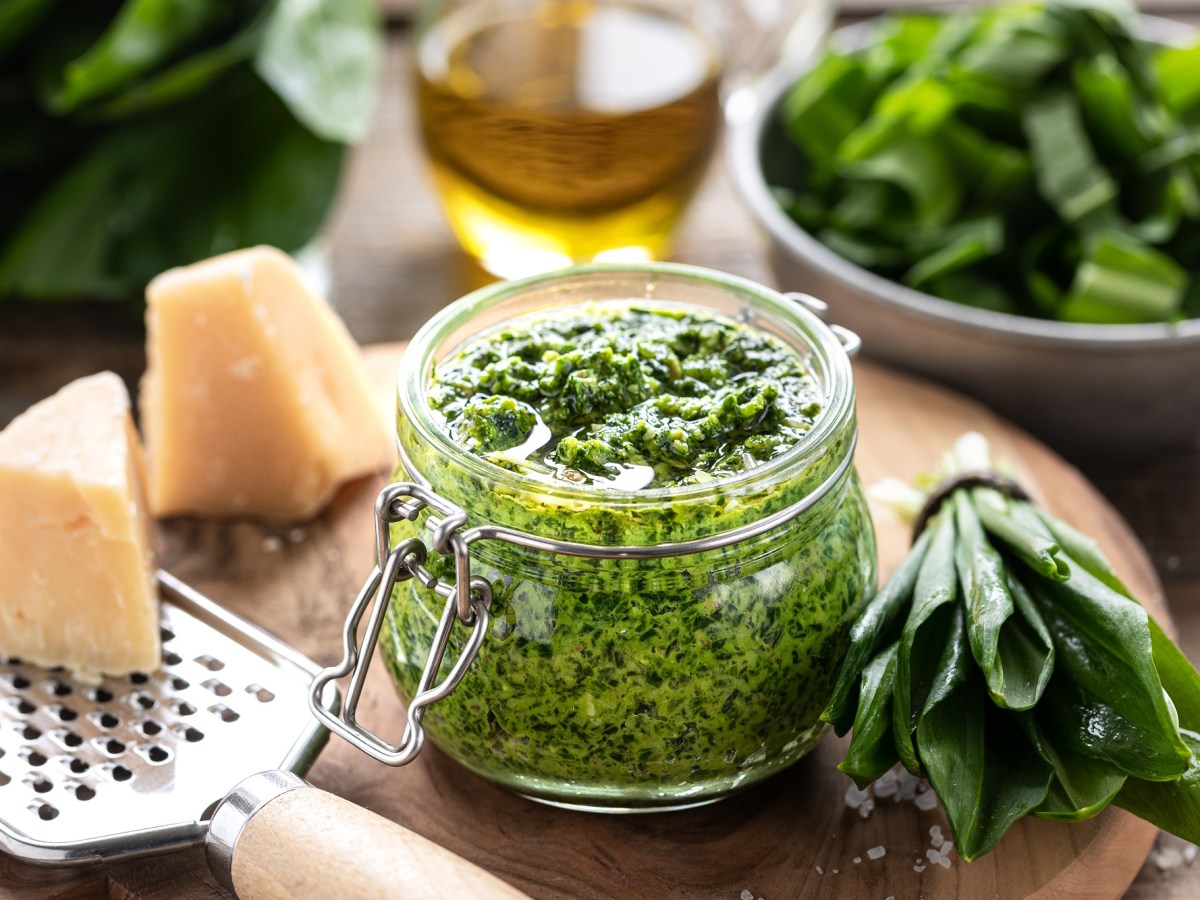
(1038, 160)
(146, 134)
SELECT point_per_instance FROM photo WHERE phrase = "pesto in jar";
(626, 396)
(636, 683)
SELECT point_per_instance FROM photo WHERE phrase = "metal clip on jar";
(614, 650)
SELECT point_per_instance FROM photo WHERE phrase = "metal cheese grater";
(132, 766)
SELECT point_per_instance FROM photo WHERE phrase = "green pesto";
(682, 395)
(636, 684)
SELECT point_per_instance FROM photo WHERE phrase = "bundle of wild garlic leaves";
(1005, 661)
(1035, 159)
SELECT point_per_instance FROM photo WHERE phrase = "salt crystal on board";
(746, 895)
(926, 801)
(272, 544)
(876, 853)
(944, 862)
(857, 860)
(855, 798)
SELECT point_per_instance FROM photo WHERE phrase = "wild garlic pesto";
(626, 396)
(635, 683)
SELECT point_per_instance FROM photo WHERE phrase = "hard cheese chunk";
(76, 551)
(255, 402)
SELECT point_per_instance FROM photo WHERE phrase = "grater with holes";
(207, 749)
(131, 766)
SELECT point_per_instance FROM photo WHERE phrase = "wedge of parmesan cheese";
(255, 402)
(77, 582)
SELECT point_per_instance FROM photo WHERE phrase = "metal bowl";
(1089, 390)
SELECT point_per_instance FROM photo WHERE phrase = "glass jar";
(639, 678)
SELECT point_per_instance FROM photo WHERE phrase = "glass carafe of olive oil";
(564, 131)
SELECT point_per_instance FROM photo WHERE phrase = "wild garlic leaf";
(323, 57)
(1081, 786)
(1171, 805)
(1106, 699)
(985, 771)
(875, 625)
(144, 34)
(1012, 652)
(925, 634)
(872, 750)
(1020, 530)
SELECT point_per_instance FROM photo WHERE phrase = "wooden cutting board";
(795, 836)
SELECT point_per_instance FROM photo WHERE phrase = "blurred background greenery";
(139, 135)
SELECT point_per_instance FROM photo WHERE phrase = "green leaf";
(919, 169)
(1020, 529)
(974, 290)
(190, 75)
(1069, 176)
(1123, 280)
(990, 171)
(1179, 677)
(1081, 786)
(872, 750)
(144, 34)
(1012, 648)
(923, 638)
(1106, 699)
(966, 244)
(1178, 71)
(166, 191)
(1109, 105)
(871, 254)
(322, 57)
(1173, 806)
(826, 105)
(1082, 549)
(19, 17)
(1016, 52)
(985, 771)
(871, 630)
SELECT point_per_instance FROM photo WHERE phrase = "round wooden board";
(794, 836)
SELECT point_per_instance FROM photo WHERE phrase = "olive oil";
(564, 132)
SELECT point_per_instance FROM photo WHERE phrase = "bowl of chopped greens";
(1004, 199)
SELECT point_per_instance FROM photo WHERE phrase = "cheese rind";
(77, 584)
(255, 402)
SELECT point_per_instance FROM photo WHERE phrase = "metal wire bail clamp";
(468, 600)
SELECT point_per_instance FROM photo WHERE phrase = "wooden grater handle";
(275, 837)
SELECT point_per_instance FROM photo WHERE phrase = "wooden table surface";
(393, 262)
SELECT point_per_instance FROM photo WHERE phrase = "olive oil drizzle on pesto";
(626, 397)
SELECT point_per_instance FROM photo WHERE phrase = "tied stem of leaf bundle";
(1005, 661)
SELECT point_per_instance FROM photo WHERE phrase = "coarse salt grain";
(856, 798)
(857, 860)
(918, 868)
(932, 855)
(944, 862)
(747, 895)
(926, 801)
(876, 853)
(272, 544)
(820, 871)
